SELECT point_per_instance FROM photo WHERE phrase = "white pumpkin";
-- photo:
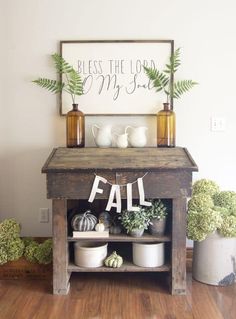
(100, 227)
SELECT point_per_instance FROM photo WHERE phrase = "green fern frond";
(61, 65)
(167, 94)
(75, 84)
(158, 79)
(174, 63)
(151, 73)
(164, 81)
(180, 87)
(51, 85)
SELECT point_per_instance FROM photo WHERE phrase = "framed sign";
(113, 76)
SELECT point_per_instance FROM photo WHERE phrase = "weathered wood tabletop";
(129, 159)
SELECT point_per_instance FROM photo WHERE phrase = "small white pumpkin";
(100, 226)
(105, 218)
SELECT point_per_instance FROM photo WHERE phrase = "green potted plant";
(157, 214)
(211, 223)
(164, 81)
(135, 222)
(73, 85)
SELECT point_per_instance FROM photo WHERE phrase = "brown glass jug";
(75, 127)
(166, 127)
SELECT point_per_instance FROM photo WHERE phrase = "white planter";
(148, 254)
(214, 260)
(90, 254)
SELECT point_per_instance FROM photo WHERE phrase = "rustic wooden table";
(70, 176)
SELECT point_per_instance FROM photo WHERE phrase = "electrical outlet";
(218, 124)
(44, 215)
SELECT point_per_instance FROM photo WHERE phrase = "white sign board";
(113, 75)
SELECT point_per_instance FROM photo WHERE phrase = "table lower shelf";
(124, 238)
(126, 267)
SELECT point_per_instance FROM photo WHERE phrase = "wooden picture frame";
(113, 76)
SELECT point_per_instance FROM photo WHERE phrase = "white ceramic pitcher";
(121, 140)
(102, 135)
(137, 135)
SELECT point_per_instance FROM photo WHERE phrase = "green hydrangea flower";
(201, 224)
(211, 210)
(228, 227)
(3, 255)
(9, 229)
(200, 202)
(28, 240)
(205, 186)
(224, 211)
(30, 251)
(43, 253)
(226, 199)
(15, 249)
(12, 247)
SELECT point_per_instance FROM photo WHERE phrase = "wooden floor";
(115, 296)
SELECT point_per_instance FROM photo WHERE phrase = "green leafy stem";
(73, 84)
(162, 81)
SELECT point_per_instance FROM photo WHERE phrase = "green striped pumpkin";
(114, 260)
(84, 222)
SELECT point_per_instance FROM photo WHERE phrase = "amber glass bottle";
(166, 127)
(75, 128)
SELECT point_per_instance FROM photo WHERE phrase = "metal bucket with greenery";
(157, 214)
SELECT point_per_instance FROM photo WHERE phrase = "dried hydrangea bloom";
(206, 187)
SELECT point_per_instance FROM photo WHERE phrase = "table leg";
(178, 280)
(60, 247)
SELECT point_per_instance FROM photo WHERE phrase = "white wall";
(2, 37)
(30, 124)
